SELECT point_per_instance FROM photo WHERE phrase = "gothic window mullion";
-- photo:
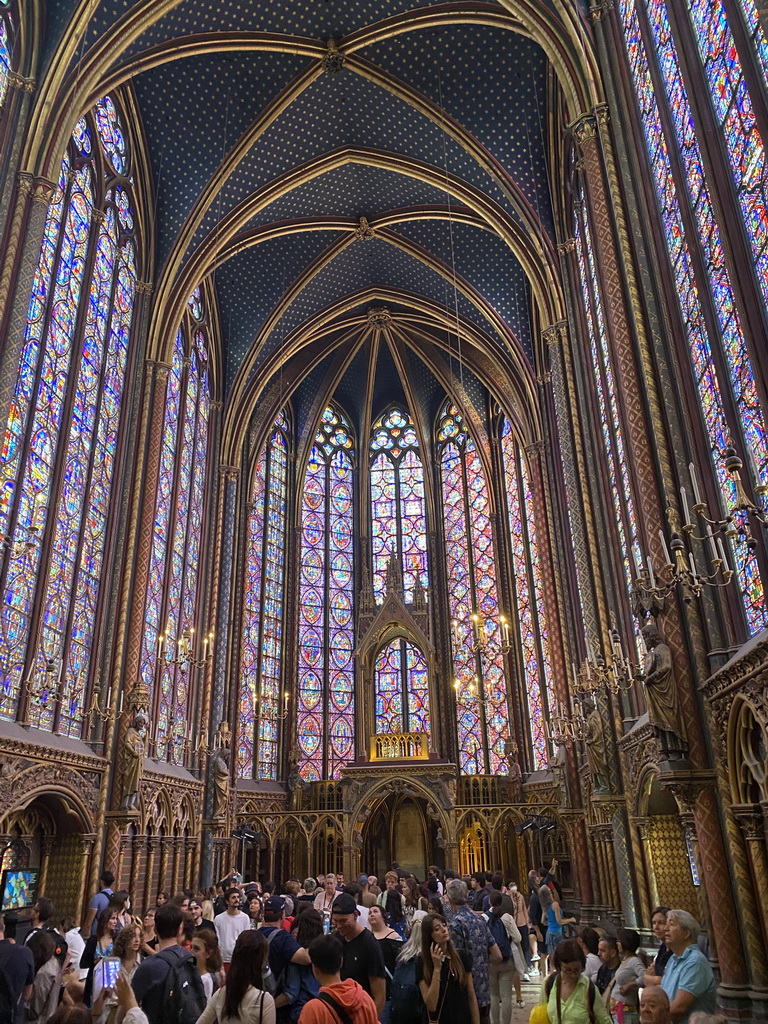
(732, 130)
(36, 659)
(186, 582)
(29, 413)
(262, 597)
(478, 657)
(163, 663)
(66, 633)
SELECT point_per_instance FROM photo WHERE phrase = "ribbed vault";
(311, 161)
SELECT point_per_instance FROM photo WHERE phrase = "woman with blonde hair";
(444, 976)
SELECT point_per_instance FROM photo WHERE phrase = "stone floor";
(531, 992)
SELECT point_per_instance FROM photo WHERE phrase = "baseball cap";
(344, 904)
(362, 880)
(274, 905)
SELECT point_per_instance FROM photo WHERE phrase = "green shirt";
(574, 1010)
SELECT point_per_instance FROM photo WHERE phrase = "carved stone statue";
(511, 754)
(221, 757)
(661, 695)
(132, 761)
(295, 782)
(597, 757)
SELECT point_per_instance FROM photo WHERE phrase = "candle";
(721, 549)
(664, 547)
(692, 560)
(695, 483)
(686, 513)
(650, 572)
(711, 543)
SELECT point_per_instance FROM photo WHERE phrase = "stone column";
(149, 895)
(85, 859)
(165, 850)
(227, 518)
(46, 851)
(137, 848)
(644, 826)
(17, 276)
(752, 823)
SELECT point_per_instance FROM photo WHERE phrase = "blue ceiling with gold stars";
(436, 133)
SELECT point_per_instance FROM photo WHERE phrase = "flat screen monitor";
(19, 888)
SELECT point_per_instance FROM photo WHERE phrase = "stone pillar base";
(743, 1003)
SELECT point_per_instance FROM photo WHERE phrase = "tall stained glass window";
(528, 587)
(263, 603)
(402, 688)
(326, 696)
(172, 639)
(481, 687)
(647, 30)
(66, 411)
(736, 117)
(6, 50)
(398, 522)
(754, 14)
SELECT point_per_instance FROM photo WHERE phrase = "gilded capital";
(569, 245)
(144, 287)
(584, 128)
(599, 8)
(17, 81)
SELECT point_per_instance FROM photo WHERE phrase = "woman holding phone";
(98, 946)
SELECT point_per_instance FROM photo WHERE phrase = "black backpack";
(407, 1003)
(184, 996)
(499, 932)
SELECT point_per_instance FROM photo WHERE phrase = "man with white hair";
(688, 978)
(654, 1006)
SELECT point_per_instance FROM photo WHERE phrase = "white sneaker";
(526, 977)
(535, 973)
(521, 1004)
(535, 958)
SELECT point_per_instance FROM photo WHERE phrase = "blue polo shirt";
(692, 973)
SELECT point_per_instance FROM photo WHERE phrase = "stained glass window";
(402, 688)
(755, 15)
(734, 112)
(174, 645)
(66, 408)
(398, 522)
(670, 196)
(6, 49)
(325, 698)
(476, 629)
(262, 650)
(529, 595)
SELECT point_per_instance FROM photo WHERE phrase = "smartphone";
(105, 974)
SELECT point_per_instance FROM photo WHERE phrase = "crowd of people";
(395, 950)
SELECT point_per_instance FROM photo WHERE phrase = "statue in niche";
(221, 758)
(296, 784)
(558, 768)
(132, 767)
(597, 756)
(511, 754)
(661, 695)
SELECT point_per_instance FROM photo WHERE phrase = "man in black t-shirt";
(363, 959)
(17, 968)
(608, 951)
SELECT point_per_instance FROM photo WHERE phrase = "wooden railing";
(400, 746)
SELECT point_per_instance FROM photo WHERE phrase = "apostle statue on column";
(132, 761)
(661, 695)
(221, 758)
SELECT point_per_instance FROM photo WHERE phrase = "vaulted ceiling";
(274, 126)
